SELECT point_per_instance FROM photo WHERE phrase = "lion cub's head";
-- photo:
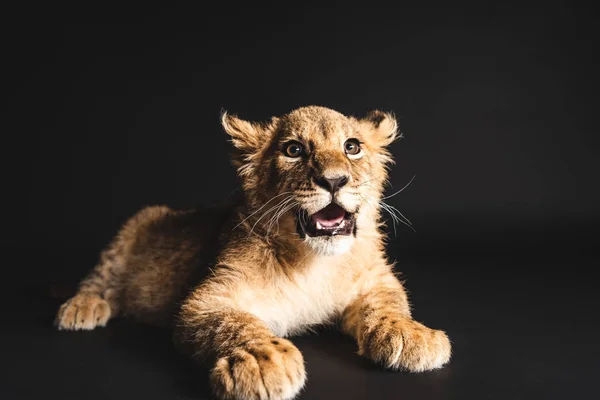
(314, 173)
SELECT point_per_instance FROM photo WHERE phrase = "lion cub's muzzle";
(332, 220)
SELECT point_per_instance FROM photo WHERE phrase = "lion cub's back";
(167, 252)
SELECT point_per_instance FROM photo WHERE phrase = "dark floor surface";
(522, 326)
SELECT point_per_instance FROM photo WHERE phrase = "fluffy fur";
(234, 281)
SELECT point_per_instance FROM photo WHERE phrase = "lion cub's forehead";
(318, 123)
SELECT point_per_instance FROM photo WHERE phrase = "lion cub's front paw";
(402, 343)
(263, 369)
(83, 312)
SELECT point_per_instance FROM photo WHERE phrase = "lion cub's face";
(316, 169)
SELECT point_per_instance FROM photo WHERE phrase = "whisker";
(405, 186)
(278, 213)
(266, 212)
(402, 215)
(279, 207)
(263, 206)
(282, 212)
(383, 205)
(394, 217)
(393, 211)
(304, 258)
(366, 201)
(365, 182)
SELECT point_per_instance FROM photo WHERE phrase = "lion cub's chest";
(309, 297)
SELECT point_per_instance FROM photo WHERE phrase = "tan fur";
(234, 281)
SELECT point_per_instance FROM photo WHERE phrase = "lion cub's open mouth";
(330, 221)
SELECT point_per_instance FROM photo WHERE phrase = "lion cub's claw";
(83, 312)
(271, 369)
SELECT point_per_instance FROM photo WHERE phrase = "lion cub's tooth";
(319, 226)
(341, 225)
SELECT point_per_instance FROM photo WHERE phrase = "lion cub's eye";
(352, 147)
(293, 149)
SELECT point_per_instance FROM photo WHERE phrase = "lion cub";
(302, 246)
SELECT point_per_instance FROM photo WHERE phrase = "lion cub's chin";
(330, 245)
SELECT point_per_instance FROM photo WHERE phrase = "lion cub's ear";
(247, 136)
(382, 126)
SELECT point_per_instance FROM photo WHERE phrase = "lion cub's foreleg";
(381, 323)
(248, 361)
(95, 302)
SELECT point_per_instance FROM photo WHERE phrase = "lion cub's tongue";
(330, 216)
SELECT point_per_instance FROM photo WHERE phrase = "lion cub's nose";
(331, 184)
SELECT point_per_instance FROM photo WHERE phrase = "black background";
(110, 109)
